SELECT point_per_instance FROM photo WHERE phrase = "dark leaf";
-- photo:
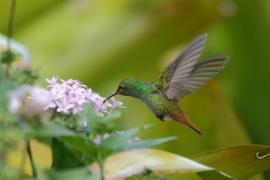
(63, 157)
(72, 174)
(239, 161)
(52, 130)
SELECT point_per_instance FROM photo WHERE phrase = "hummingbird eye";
(121, 87)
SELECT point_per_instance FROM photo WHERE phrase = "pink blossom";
(16, 98)
(28, 100)
(67, 97)
(70, 96)
(37, 101)
(116, 104)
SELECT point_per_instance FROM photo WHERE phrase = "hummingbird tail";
(183, 119)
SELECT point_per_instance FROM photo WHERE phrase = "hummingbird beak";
(114, 94)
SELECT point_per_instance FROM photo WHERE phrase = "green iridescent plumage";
(183, 76)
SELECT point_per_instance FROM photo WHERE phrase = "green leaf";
(84, 149)
(5, 86)
(98, 124)
(80, 144)
(117, 142)
(240, 162)
(7, 57)
(63, 157)
(52, 130)
(149, 143)
(72, 174)
(124, 141)
(134, 162)
(213, 175)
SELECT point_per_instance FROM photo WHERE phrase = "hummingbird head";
(125, 88)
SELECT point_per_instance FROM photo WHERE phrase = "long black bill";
(114, 94)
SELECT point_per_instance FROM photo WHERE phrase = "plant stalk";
(29, 152)
(101, 166)
(22, 164)
(100, 162)
(10, 23)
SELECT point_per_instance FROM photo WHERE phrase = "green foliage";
(7, 57)
(98, 124)
(78, 173)
(63, 158)
(152, 163)
(149, 143)
(148, 175)
(24, 76)
(88, 151)
(241, 162)
(8, 131)
(213, 175)
(51, 130)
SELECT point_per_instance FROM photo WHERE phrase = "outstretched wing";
(199, 76)
(180, 69)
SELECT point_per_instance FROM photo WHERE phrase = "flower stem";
(22, 164)
(101, 167)
(29, 152)
(10, 23)
(100, 162)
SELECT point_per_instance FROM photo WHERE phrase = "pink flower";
(67, 97)
(28, 100)
(116, 104)
(37, 101)
(70, 96)
(52, 81)
(16, 98)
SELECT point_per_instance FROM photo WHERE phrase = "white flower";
(38, 100)
(52, 81)
(28, 100)
(16, 98)
(68, 97)
(116, 104)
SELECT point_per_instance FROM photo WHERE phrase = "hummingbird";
(181, 77)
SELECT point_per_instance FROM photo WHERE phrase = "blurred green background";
(100, 42)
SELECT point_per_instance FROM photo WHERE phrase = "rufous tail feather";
(183, 119)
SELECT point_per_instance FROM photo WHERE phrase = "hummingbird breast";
(155, 99)
(159, 105)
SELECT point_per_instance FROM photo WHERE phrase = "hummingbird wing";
(180, 69)
(199, 76)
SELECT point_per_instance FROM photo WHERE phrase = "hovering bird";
(182, 77)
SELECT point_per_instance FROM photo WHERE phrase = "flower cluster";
(20, 103)
(67, 97)
(70, 97)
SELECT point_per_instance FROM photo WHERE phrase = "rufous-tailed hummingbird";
(183, 76)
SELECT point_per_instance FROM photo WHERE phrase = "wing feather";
(200, 75)
(179, 70)
(186, 74)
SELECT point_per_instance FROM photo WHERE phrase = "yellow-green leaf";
(241, 162)
(130, 163)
